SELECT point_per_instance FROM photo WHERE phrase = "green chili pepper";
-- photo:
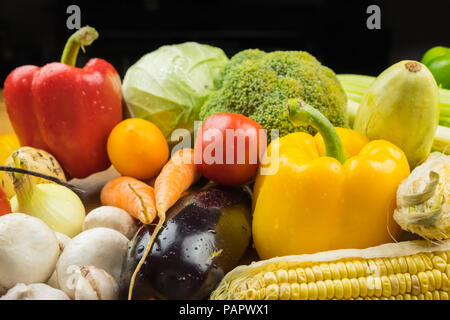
(437, 59)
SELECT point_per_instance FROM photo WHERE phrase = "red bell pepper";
(67, 111)
(5, 206)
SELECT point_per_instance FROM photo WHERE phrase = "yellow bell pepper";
(8, 143)
(333, 191)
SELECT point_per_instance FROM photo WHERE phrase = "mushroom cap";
(34, 291)
(29, 250)
(111, 217)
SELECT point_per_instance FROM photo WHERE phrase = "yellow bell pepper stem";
(301, 114)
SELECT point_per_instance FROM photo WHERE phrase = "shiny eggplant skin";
(205, 235)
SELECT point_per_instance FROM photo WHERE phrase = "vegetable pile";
(316, 176)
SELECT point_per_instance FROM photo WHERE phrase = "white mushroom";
(53, 281)
(111, 217)
(34, 291)
(103, 248)
(29, 250)
(63, 240)
(95, 284)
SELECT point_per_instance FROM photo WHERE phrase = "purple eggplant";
(205, 235)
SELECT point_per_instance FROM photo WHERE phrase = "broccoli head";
(258, 85)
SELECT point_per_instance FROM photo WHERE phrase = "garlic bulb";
(95, 284)
(423, 199)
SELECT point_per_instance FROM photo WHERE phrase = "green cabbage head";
(169, 85)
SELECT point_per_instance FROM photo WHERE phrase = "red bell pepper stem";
(81, 38)
(302, 114)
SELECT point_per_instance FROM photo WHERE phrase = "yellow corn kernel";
(292, 275)
(360, 268)
(317, 273)
(437, 277)
(439, 263)
(436, 296)
(295, 291)
(334, 272)
(403, 264)
(270, 278)
(424, 283)
(309, 275)
(395, 284)
(282, 276)
(313, 292)
(321, 290)
(418, 262)
(301, 275)
(443, 255)
(395, 266)
(427, 261)
(285, 291)
(303, 291)
(330, 288)
(326, 272)
(338, 289)
(386, 286)
(355, 287)
(378, 288)
(412, 269)
(272, 292)
(415, 285)
(401, 283)
(362, 287)
(408, 282)
(370, 286)
(342, 270)
(381, 267)
(347, 285)
(389, 268)
(445, 282)
(351, 270)
(431, 280)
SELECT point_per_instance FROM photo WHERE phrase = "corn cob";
(410, 270)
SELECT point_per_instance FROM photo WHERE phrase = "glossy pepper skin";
(316, 202)
(437, 59)
(65, 110)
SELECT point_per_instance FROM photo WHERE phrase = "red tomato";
(5, 206)
(228, 148)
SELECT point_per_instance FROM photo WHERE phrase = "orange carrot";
(134, 196)
(175, 177)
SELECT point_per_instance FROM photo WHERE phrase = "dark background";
(34, 32)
